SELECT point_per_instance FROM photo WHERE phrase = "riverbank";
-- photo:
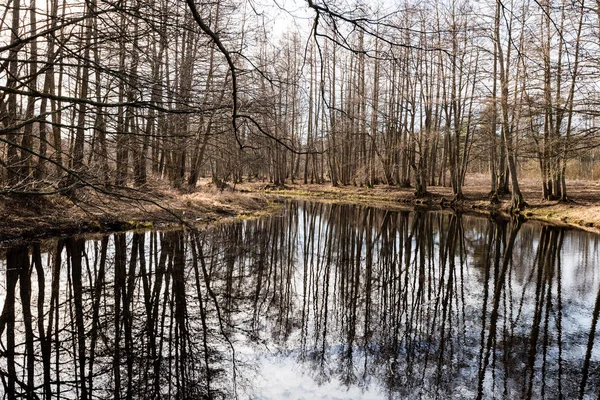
(582, 211)
(87, 210)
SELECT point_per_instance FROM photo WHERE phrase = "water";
(322, 301)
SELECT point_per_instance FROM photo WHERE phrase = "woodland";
(121, 93)
(342, 97)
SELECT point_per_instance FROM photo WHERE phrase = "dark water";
(321, 302)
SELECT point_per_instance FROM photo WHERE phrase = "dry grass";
(86, 210)
(583, 211)
(24, 217)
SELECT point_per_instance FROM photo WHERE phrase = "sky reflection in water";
(321, 301)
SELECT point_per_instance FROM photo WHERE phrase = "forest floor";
(24, 217)
(86, 210)
(582, 211)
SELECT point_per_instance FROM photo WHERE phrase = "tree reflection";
(420, 304)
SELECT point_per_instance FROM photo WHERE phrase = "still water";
(321, 301)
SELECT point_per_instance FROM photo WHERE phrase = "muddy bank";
(582, 211)
(24, 217)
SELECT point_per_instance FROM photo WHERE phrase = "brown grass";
(86, 210)
(583, 211)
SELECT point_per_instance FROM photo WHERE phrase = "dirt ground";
(583, 211)
(86, 210)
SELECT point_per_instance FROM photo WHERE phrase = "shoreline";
(579, 213)
(25, 218)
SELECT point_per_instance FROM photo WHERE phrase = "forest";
(120, 93)
(403, 305)
(208, 199)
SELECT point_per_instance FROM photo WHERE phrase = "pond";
(320, 301)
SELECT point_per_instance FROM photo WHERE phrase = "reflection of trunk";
(25, 289)
(498, 290)
(208, 369)
(53, 322)
(368, 276)
(308, 233)
(493, 243)
(181, 332)
(128, 312)
(146, 274)
(75, 248)
(381, 299)
(590, 346)
(548, 249)
(220, 318)
(44, 341)
(454, 235)
(96, 298)
(155, 325)
(14, 263)
(119, 287)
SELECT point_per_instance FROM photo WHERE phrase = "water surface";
(322, 301)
